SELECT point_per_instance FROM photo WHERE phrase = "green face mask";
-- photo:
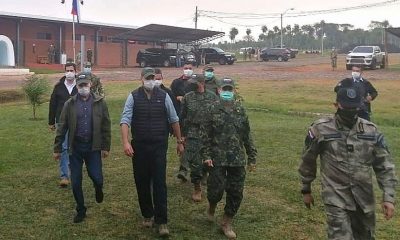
(226, 95)
(208, 74)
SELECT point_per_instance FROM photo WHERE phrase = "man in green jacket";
(85, 116)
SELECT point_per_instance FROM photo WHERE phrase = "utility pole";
(386, 50)
(281, 31)
(322, 38)
(195, 18)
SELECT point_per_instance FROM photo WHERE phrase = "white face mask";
(157, 83)
(187, 72)
(148, 84)
(356, 74)
(84, 91)
(70, 76)
(87, 70)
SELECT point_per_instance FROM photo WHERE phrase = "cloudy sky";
(181, 13)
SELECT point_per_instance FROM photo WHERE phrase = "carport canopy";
(170, 34)
(394, 31)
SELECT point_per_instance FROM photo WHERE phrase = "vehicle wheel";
(230, 63)
(280, 59)
(143, 63)
(373, 65)
(208, 62)
(348, 67)
(265, 59)
(286, 59)
(222, 61)
(383, 64)
(166, 63)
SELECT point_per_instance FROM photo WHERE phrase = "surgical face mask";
(226, 95)
(87, 70)
(187, 72)
(208, 74)
(70, 76)
(148, 84)
(348, 116)
(84, 91)
(356, 74)
(157, 83)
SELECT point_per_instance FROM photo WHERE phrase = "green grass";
(33, 207)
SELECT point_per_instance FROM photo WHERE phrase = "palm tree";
(264, 29)
(233, 33)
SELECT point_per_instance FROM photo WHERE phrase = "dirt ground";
(301, 68)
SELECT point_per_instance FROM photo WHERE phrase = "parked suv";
(368, 56)
(280, 54)
(162, 57)
(218, 55)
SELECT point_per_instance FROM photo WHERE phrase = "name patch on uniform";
(366, 137)
(333, 135)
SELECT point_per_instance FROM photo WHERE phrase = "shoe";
(163, 230)
(80, 216)
(64, 182)
(196, 195)
(147, 222)
(99, 195)
(226, 227)
(182, 175)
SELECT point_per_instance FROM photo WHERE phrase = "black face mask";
(348, 116)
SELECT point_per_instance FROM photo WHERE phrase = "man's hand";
(308, 200)
(368, 98)
(208, 163)
(128, 150)
(180, 149)
(104, 154)
(179, 98)
(388, 210)
(52, 127)
(251, 167)
(56, 156)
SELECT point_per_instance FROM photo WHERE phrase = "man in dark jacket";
(367, 91)
(85, 116)
(158, 81)
(62, 91)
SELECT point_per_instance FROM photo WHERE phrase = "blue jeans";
(64, 159)
(82, 152)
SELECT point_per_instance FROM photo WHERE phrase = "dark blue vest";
(149, 122)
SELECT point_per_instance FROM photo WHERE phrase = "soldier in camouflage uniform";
(349, 148)
(195, 113)
(97, 87)
(228, 137)
(211, 80)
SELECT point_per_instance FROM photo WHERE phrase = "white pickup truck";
(367, 56)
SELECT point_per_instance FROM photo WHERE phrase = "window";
(44, 36)
(100, 38)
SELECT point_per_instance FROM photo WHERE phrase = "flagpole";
(73, 36)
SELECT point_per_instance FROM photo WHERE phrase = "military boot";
(196, 195)
(226, 226)
(211, 211)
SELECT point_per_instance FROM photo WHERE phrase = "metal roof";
(61, 20)
(170, 34)
(394, 31)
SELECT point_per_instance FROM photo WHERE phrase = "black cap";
(83, 78)
(349, 98)
(196, 78)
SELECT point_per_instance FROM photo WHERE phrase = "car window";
(363, 50)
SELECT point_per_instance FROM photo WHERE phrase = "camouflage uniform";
(212, 85)
(196, 111)
(97, 87)
(347, 156)
(228, 136)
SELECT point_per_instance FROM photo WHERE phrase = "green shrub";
(35, 88)
(11, 95)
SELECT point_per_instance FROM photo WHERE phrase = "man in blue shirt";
(149, 113)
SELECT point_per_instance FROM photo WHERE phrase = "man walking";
(63, 90)
(349, 148)
(86, 119)
(148, 112)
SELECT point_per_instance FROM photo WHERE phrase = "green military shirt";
(97, 87)
(229, 137)
(212, 85)
(347, 159)
(196, 110)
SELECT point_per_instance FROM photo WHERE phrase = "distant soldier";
(89, 55)
(333, 58)
(196, 112)
(96, 86)
(228, 139)
(78, 58)
(51, 53)
(211, 81)
(349, 148)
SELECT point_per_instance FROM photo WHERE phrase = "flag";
(75, 10)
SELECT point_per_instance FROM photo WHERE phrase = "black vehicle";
(162, 57)
(293, 51)
(218, 55)
(280, 54)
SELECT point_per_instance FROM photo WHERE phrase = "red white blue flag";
(75, 10)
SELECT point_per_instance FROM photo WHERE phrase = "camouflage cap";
(208, 68)
(83, 78)
(88, 64)
(226, 82)
(147, 71)
(197, 78)
(348, 98)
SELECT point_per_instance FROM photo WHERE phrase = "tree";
(248, 32)
(264, 29)
(233, 33)
(276, 29)
(35, 87)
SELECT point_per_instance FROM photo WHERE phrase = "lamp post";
(282, 24)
